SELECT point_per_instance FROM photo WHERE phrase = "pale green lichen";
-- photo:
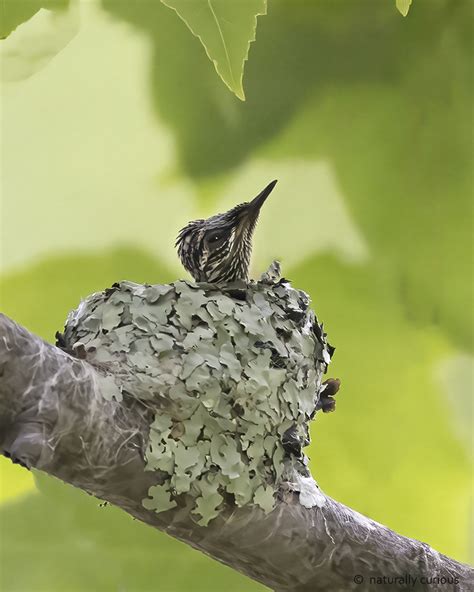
(228, 370)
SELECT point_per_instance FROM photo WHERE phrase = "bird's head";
(218, 249)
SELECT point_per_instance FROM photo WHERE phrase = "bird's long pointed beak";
(256, 203)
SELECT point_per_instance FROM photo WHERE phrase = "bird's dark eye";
(215, 237)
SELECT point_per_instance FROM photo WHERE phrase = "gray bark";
(54, 418)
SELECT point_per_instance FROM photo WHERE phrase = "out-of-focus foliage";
(403, 6)
(226, 30)
(32, 46)
(16, 12)
(127, 133)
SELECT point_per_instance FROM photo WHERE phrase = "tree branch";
(54, 417)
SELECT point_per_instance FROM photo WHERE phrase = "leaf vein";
(222, 39)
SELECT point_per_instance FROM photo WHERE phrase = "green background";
(116, 130)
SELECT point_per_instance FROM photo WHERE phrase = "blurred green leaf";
(16, 12)
(408, 190)
(13, 482)
(33, 45)
(456, 376)
(311, 41)
(403, 6)
(226, 30)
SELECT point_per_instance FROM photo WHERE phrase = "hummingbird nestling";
(218, 249)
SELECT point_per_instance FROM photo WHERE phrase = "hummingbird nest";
(231, 375)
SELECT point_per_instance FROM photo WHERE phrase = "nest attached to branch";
(232, 374)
